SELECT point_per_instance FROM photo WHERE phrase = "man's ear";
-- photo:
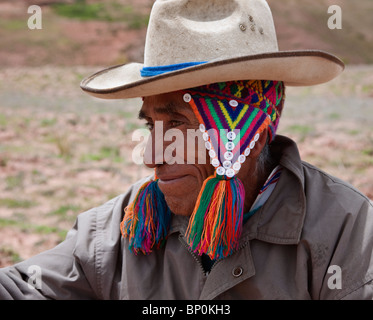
(259, 145)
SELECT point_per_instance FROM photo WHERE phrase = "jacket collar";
(281, 218)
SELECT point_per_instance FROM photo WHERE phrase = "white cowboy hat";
(191, 43)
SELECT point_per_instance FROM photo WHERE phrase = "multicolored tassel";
(215, 225)
(147, 219)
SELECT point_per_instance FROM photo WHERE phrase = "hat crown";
(206, 30)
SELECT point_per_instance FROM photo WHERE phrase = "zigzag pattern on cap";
(244, 107)
(265, 95)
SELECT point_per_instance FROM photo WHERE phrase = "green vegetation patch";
(105, 152)
(11, 254)
(80, 10)
(39, 229)
(102, 11)
(16, 203)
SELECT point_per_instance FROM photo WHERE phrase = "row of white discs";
(227, 168)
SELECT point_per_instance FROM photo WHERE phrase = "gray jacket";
(313, 239)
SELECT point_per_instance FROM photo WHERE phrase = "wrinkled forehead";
(170, 104)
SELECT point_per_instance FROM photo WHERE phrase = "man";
(249, 220)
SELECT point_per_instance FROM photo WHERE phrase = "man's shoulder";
(337, 230)
(116, 204)
(322, 185)
(102, 222)
(334, 210)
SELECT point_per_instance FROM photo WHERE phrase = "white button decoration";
(227, 164)
(242, 158)
(247, 152)
(252, 144)
(208, 145)
(205, 136)
(229, 145)
(187, 97)
(202, 127)
(220, 171)
(215, 162)
(233, 103)
(230, 173)
(236, 166)
(256, 138)
(212, 153)
(231, 135)
(228, 155)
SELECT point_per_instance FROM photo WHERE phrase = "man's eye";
(171, 124)
(175, 123)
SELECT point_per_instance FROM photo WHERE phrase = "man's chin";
(179, 208)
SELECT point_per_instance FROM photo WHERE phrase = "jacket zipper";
(196, 258)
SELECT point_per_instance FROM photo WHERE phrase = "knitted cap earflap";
(232, 115)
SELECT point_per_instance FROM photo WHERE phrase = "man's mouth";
(170, 179)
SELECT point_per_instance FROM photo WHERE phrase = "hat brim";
(295, 68)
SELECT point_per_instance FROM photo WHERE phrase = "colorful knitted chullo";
(231, 115)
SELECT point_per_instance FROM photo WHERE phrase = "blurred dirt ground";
(63, 152)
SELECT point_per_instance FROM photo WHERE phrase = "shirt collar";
(264, 192)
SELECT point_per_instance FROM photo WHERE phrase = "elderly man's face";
(180, 182)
